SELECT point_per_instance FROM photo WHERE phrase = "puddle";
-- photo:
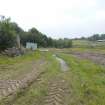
(64, 66)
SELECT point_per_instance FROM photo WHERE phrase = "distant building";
(101, 40)
(31, 46)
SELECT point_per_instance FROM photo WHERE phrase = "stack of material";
(13, 52)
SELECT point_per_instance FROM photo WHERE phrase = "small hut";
(31, 46)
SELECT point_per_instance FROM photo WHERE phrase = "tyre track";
(10, 87)
(58, 89)
(57, 92)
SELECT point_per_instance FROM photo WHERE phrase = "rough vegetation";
(9, 30)
(77, 77)
(82, 83)
(87, 80)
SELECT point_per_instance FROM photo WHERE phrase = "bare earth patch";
(58, 92)
(95, 57)
(9, 87)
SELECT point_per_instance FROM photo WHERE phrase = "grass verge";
(87, 80)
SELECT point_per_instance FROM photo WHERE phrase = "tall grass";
(87, 79)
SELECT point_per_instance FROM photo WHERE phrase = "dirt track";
(9, 87)
(58, 88)
(57, 92)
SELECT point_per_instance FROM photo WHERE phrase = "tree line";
(9, 30)
(94, 37)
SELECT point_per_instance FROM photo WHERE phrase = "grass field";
(85, 80)
(88, 44)
(13, 68)
(37, 90)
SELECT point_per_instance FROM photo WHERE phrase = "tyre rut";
(57, 92)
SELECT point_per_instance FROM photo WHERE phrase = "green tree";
(7, 34)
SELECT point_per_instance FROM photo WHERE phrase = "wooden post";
(18, 42)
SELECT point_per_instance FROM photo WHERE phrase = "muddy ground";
(10, 87)
(58, 88)
(95, 57)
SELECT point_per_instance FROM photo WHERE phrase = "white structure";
(101, 40)
(32, 46)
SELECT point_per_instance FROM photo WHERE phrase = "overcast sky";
(57, 18)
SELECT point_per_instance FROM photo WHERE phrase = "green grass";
(81, 50)
(87, 80)
(12, 60)
(81, 43)
(35, 93)
(13, 68)
(88, 44)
